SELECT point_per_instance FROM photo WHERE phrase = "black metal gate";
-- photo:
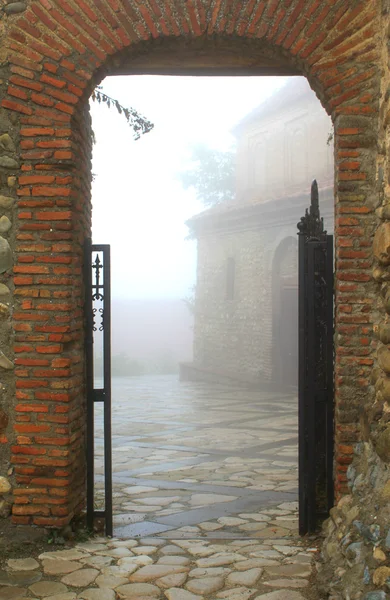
(97, 279)
(315, 387)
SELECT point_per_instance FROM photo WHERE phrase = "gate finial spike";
(311, 225)
(314, 204)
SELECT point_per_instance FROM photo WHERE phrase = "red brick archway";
(57, 51)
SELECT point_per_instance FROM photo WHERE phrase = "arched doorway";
(285, 313)
(57, 53)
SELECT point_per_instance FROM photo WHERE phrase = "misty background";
(140, 205)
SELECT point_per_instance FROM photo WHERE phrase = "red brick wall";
(57, 51)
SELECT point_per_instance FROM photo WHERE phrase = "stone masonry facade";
(52, 54)
(244, 338)
(250, 334)
(234, 337)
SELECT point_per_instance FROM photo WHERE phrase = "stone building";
(246, 294)
(52, 55)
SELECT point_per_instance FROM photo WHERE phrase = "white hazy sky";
(139, 206)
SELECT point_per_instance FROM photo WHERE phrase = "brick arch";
(332, 43)
(57, 51)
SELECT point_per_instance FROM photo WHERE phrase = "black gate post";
(97, 280)
(106, 322)
(330, 358)
(302, 351)
(89, 382)
(315, 386)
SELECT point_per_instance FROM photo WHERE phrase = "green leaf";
(211, 173)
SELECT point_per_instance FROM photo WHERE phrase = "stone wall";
(355, 557)
(286, 265)
(356, 551)
(9, 163)
(249, 337)
(42, 418)
(283, 144)
(53, 53)
(235, 336)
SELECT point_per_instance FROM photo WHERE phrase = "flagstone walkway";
(189, 457)
(205, 502)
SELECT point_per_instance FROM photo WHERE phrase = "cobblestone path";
(151, 569)
(205, 481)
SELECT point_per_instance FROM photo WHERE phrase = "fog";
(139, 206)
(201, 215)
(218, 300)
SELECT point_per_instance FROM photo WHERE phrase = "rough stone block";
(8, 163)
(5, 224)
(6, 143)
(382, 445)
(381, 244)
(15, 8)
(384, 358)
(5, 485)
(5, 363)
(6, 202)
(5, 255)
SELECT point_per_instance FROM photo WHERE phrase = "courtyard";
(205, 502)
(196, 459)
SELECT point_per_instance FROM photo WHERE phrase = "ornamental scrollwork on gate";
(97, 292)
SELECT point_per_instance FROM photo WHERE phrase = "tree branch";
(139, 124)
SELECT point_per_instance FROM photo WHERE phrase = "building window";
(296, 156)
(230, 277)
(260, 168)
